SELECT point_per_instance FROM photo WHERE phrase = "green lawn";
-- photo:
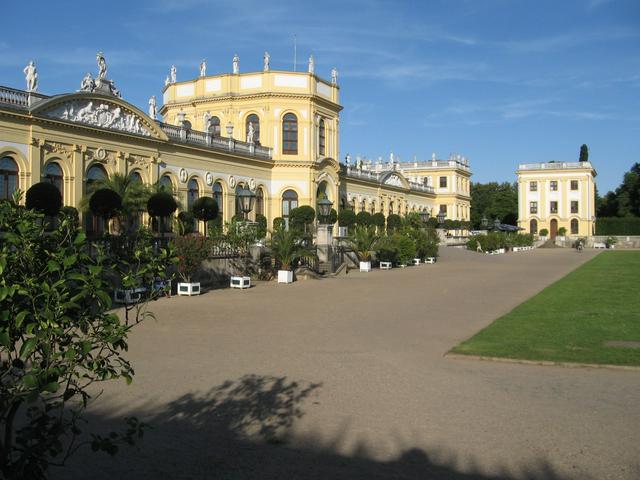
(570, 320)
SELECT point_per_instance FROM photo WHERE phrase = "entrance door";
(554, 228)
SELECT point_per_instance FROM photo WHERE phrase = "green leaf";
(30, 381)
(79, 240)
(20, 318)
(53, 266)
(4, 291)
(5, 340)
(68, 261)
(28, 347)
(51, 387)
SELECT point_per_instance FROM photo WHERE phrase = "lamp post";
(424, 216)
(441, 217)
(245, 199)
(484, 222)
(324, 208)
(496, 224)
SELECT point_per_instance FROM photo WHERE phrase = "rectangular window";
(533, 207)
(574, 206)
(553, 185)
(443, 182)
(553, 207)
(443, 209)
(533, 186)
(574, 184)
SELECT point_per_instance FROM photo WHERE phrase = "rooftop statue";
(236, 64)
(153, 110)
(102, 66)
(250, 133)
(312, 64)
(173, 74)
(31, 76)
(334, 76)
(203, 68)
(266, 59)
(87, 84)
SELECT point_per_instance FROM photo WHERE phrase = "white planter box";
(128, 296)
(385, 265)
(240, 282)
(416, 261)
(430, 260)
(365, 266)
(188, 288)
(285, 276)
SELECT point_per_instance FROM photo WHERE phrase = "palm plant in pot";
(363, 241)
(287, 247)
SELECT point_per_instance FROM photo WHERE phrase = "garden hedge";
(618, 226)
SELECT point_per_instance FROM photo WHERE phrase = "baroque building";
(553, 195)
(275, 132)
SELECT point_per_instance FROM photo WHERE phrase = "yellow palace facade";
(274, 132)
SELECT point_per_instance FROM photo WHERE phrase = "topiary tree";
(278, 222)
(394, 222)
(161, 205)
(44, 197)
(301, 218)
(205, 209)
(261, 227)
(432, 222)
(413, 220)
(333, 216)
(105, 203)
(346, 218)
(562, 231)
(363, 219)
(544, 232)
(378, 220)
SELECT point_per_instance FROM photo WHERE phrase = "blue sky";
(500, 81)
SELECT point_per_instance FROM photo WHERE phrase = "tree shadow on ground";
(241, 430)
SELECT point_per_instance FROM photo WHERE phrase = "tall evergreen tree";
(584, 153)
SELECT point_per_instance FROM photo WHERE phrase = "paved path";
(345, 378)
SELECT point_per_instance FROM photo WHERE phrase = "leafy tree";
(346, 218)
(278, 222)
(494, 200)
(363, 219)
(205, 209)
(58, 336)
(394, 222)
(333, 216)
(105, 203)
(161, 205)
(584, 153)
(302, 218)
(133, 193)
(432, 222)
(379, 221)
(44, 197)
(261, 227)
(625, 200)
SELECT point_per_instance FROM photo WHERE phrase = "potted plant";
(562, 232)
(363, 240)
(611, 242)
(287, 247)
(191, 250)
(544, 232)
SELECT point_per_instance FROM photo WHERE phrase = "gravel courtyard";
(346, 378)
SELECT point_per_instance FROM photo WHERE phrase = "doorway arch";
(553, 227)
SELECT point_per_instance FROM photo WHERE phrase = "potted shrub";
(287, 247)
(346, 220)
(105, 203)
(205, 209)
(562, 231)
(363, 219)
(363, 240)
(544, 232)
(611, 242)
(44, 197)
(161, 205)
(191, 250)
(379, 221)
(394, 222)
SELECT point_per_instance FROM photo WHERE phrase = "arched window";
(372, 207)
(254, 120)
(259, 202)
(290, 134)
(135, 176)
(193, 192)
(390, 208)
(94, 225)
(321, 137)
(217, 196)
(289, 202)
(574, 226)
(239, 188)
(53, 174)
(166, 184)
(8, 177)
(533, 227)
(215, 126)
(363, 205)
